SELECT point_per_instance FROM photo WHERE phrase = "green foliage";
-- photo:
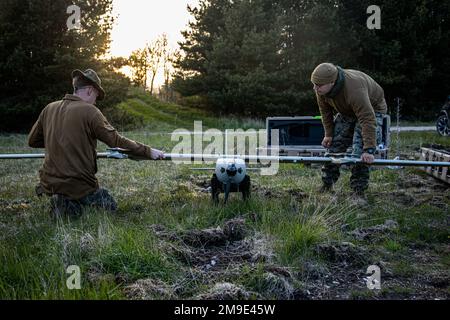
(393, 245)
(142, 110)
(36, 59)
(122, 119)
(138, 63)
(115, 84)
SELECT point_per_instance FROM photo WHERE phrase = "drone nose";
(231, 171)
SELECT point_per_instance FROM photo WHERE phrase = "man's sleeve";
(366, 116)
(326, 111)
(36, 136)
(106, 133)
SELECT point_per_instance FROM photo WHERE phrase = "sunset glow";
(141, 21)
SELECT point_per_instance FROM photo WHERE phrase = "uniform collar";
(72, 97)
(339, 85)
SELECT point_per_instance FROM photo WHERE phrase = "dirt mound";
(278, 286)
(233, 230)
(411, 181)
(312, 270)
(216, 248)
(273, 193)
(371, 233)
(149, 289)
(415, 197)
(345, 253)
(226, 291)
(214, 253)
(423, 182)
(205, 238)
(402, 197)
(222, 257)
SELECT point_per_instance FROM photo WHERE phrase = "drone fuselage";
(230, 176)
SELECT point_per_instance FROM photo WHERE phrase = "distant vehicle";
(443, 121)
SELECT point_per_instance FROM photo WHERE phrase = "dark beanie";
(324, 73)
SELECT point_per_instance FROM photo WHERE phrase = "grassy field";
(169, 241)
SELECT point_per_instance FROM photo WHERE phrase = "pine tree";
(38, 52)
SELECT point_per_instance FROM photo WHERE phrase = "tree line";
(255, 57)
(38, 52)
(146, 62)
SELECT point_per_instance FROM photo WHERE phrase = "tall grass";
(317, 221)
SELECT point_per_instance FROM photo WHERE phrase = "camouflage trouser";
(348, 132)
(62, 206)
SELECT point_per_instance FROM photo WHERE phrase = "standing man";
(69, 130)
(352, 105)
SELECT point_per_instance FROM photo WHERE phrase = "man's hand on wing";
(157, 154)
(327, 141)
(367, 158)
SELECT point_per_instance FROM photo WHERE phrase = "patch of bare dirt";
(420, 191)
(336, 281)
(344, 253)
(213, 254)
(217, 248)
(422, 181)
(374, 232)
(201, 183)
(274, 193)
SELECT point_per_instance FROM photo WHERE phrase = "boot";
(326, 188)
(61, 206)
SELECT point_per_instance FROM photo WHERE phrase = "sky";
(141, 21)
